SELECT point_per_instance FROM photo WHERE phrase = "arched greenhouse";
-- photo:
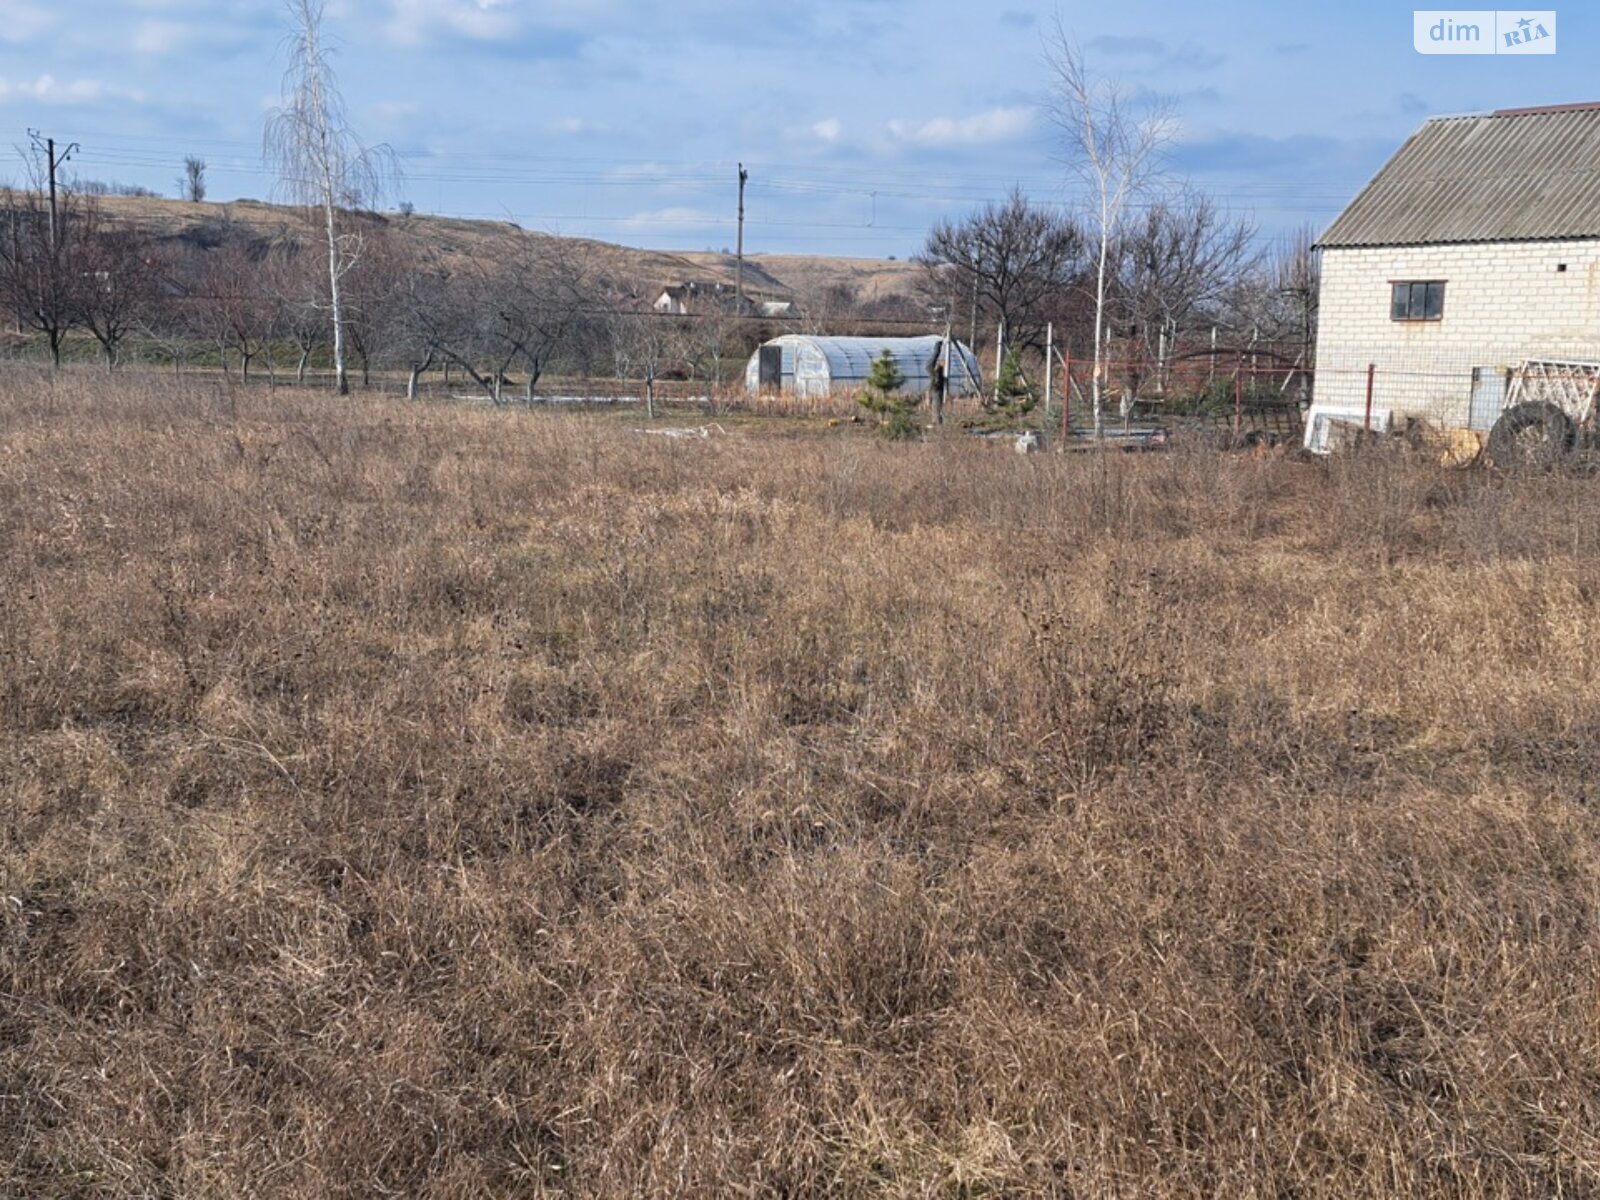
(816, 367)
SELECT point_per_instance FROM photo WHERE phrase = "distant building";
(1470, 263)
(674, 301)
(696, 298)
(816, 367)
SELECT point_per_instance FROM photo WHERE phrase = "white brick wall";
(1503, 302)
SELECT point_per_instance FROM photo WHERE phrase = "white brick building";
(1475, 249)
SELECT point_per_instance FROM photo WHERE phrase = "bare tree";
(710, 340)
(319, 161)
(192, 186)
(235, 303)
(39, 264)
(1276, 301)
(118, 283)
(1297, 276)
(478, 330)
(518, 310)
(831, 308)
(541, 295)
(643, 345)
(291, 274)
(1116, 152)
(1180, 257)
(412, 320)
(1004, 262)
(369, 289)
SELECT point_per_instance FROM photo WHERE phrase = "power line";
(886, 180)
(888, 183)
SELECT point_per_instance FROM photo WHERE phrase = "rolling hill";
(457, 240)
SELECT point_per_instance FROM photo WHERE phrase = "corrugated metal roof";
(1514, 175)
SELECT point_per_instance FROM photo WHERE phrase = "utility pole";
(16, 251)
(744, 177)
(972, 333)
(55, 163)
(944, 376)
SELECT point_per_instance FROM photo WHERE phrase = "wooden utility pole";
(744, 177)
(54, 163)
(944, 377)
(54, 217)
(16, 249)
(972, 333)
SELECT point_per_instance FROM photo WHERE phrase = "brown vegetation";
(464, 244)
(467, 802)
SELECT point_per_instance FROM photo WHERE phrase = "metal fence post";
(1238, 403)
(1372, 375)
(1066, 397)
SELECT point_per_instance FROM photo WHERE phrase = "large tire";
(1536, 435)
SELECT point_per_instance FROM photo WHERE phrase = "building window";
(1418, 301)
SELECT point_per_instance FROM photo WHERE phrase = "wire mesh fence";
(1487, 394)
(1260, 390)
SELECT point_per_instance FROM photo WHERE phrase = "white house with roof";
(1470, 264)
(694, 299)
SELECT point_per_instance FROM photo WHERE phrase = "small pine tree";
(1013, 395)
(882, 395)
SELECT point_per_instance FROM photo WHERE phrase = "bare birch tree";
(318, 160)
(1116, 151)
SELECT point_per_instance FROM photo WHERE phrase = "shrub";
(1013, 397)
(882, 395)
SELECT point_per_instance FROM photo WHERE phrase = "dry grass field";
(445, 802)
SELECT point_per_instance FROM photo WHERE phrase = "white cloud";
(47, 89)
(1165, 127)
(571, 127)
(394, 111)
(669, 216)
(21, 22)
(159, 37)
(996, 125)
(479, 20)
(827, 130)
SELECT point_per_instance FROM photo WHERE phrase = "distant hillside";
(807, 274)
(643, 272)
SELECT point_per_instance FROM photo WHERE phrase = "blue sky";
(861, 121)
